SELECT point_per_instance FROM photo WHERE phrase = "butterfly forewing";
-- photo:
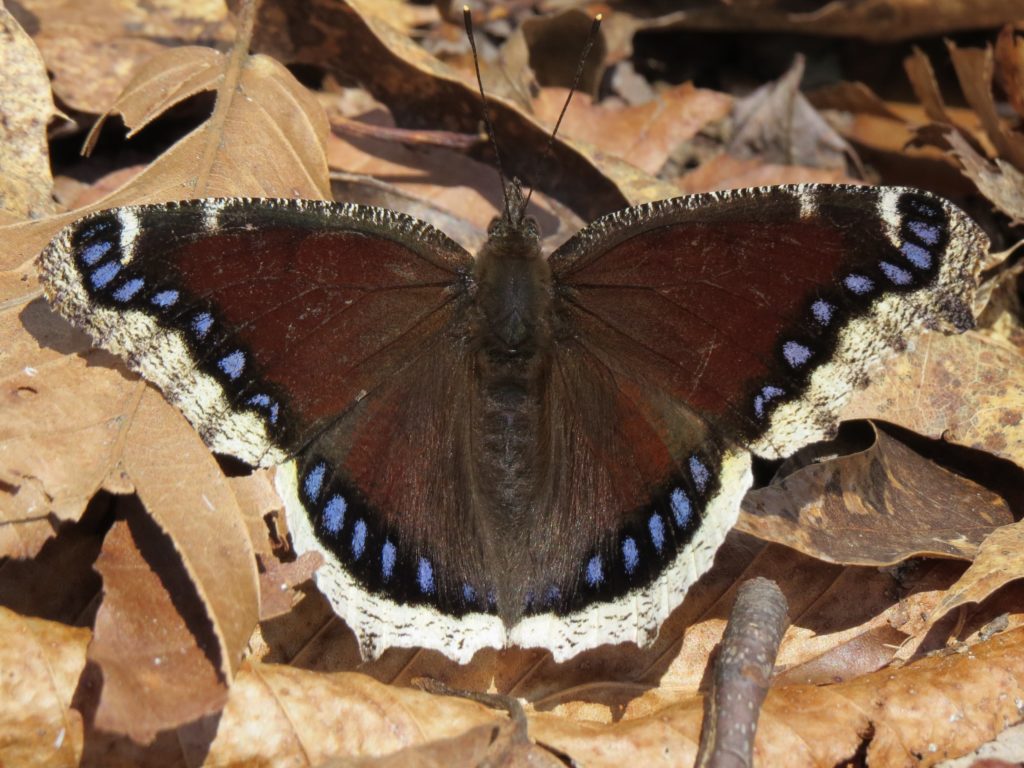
(750, 306)
(263, 320)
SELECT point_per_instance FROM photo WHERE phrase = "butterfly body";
(530, 449)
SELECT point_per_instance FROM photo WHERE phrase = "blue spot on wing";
(767, 394)
(165, 299)
(359, 539)
(266, 402)
(595, 571)
(917, 255)
(796, 354)
(201, 324)
(657, 528)
(927, 233)
(859, 284)
(682, 510)
(314, 481)
(700, 474)
(103, 275)
(232, 364)
(387, 559)
(128, 289)
(425, 576)
(630, 554)
(334, 514)
(822, 311)
(93, 253)
(468, 593)
(897, 275)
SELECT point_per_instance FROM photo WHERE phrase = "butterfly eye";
(494, 226)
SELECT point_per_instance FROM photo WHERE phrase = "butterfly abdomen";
(512, 347)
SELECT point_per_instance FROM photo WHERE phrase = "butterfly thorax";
(512, 343)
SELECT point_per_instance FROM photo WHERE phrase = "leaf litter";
(864, 644)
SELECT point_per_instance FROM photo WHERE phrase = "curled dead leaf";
(156, 673)
(879, 505)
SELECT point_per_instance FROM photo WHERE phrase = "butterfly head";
(514, 229)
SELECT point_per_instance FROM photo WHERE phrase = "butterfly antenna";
(549, 149)
(467, 17)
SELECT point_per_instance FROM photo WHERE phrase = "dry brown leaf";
(877, 506)
(966, 389)
(874, 20)
(869, 651)
(350, 37)
(41, 662)
(974, 69)
(998, 563)
(940, 706)
(278, 581)
(57, 447)
(926, 86)
(727, 172)
(26, 186)
(777, 124)
(93, 46)
(201, 517)
(890, 136)
(1000, 182)
(644, 135)
(1010, 67)
(156, 676)
(160, 83)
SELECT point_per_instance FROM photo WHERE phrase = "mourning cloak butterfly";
(514, 449)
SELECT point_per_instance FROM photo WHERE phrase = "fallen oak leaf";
(26, 186)
(278, 581)
(42, 662)
(975, 69)
(201, 517)
(873, 20)
(876, 506)
(966, 389)
(57, 448)
(1010, 67)
(644, 135)
(998, 181)
(147, 639)
(79, 41)
(352, 37)
(998, 563)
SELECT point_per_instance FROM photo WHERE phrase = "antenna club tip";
(465, 8)
(599, 17)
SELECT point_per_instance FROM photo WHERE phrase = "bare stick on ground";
(742, 673)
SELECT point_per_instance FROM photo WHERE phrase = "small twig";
(509, 704)
(742, 674)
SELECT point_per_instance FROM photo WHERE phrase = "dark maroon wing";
(334, 334)
(692, 330)
(262, 319)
